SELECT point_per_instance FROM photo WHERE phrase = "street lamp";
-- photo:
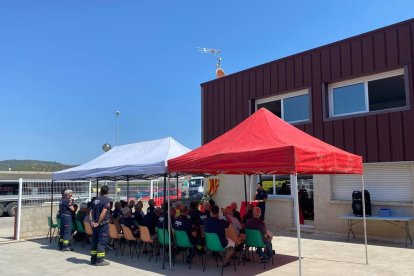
(117, 113)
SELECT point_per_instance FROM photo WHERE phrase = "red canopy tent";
(265, 144)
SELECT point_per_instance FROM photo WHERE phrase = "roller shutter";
(385, 181)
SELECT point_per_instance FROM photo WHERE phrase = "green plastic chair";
(254, 239)
(182, 240)
(79, 226)
(54, 226)
(163, 239)
(213, 244)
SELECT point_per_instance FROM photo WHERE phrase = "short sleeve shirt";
(259, 196)
(184, 223)
(203, 216)
(98, 205)
(218, 226)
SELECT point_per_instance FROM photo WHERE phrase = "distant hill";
(32, 165)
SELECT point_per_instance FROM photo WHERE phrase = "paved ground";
(6, 228)
(322, 256)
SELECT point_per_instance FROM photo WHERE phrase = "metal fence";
(39, 192)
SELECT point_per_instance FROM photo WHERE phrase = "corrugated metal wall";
(377, 137)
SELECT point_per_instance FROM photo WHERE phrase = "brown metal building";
(356, 94)
(378, 136)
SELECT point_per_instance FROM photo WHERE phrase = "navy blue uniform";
(151, 221)
(203, 216)
(65, 221)
(184, 223)
(138, 217)
(260, 195)
(218, 226)
(195, 216)
(100, 236)
(161, 222)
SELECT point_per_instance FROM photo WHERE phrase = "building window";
(373, 93)
(389, 182)
(279, 185)
(292, 107)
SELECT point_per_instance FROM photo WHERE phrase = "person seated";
(218, 226)
(131, 204)
(82, 212)
(117, 213)
(111, 206)
(234, 222)
(248, 215)
(256, 223)
(75, 209)
(123, 204)
(127, 221)
(80, 216)
(151, 206)
(177, 207)
(236, 213)
(206, 213)
(171, 217)
(194, 213)
(138, 215)
(151, 221)
(184, 223)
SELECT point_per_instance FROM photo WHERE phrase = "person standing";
(66, 210)
(99, 218)
(261, 197)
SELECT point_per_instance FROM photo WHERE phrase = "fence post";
(19, 208)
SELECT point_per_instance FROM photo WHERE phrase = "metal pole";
(90, 190)
(245, 190)
(296, 205)
(169, 227)
(365, 219)
(152, 188)
(127, 187)
(117, 116)
(177, 186)
(51, 207)
(163, 223)
(19, 208)
(97, 187)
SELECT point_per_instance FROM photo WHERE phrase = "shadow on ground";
(179, 268)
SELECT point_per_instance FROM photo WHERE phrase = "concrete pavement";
(321, 256)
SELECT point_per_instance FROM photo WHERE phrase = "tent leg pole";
(163, 224)
(127, 188)
(169, 222)
(51, 208)
(177, 186)
(245, 190)
(97, 187)
(296, 208)
(365, 219)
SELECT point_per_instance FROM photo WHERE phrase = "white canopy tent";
(142, 160)
(139, 160)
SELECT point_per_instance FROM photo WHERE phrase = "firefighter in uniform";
(99, 218)
(65, 212)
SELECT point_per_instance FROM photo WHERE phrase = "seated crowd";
(229, 225)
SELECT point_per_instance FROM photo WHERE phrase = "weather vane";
(215, 52)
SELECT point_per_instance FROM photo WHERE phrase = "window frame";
(365, 81)
(286, 96)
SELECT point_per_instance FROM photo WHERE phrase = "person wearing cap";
(65, 210)
(99, 219)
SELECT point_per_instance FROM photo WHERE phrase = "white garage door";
(385, 182)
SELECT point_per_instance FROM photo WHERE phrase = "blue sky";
(67, 66)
